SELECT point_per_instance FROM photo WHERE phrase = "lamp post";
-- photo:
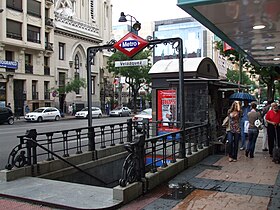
(136, 26)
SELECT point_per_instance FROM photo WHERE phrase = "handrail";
(60, 158)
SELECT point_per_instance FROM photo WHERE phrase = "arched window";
(77, 70)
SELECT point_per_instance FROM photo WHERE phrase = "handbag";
(258, 124)
(246, 126)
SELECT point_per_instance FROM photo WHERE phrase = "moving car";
(138, 119)
(120, 112)
(6, 115)
(96, 112)
(42, 114)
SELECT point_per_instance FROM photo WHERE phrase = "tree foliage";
(135, 76)
(267, 75)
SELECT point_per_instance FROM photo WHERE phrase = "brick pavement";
(216, 183)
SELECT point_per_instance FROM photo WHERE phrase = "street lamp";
(136, 26)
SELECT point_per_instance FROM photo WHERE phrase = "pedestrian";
(253, 131)
(9, 106)
(70, 109)
(273, 120)
(74, 109)
(234, 114)
(265, 138)
(245, 109)
(26, 109)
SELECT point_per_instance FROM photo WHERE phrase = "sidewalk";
(214, 183)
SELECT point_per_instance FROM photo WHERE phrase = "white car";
(120, 112)
(138, 119)
(42, 114)
(96, 112)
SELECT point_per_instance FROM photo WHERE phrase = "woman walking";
(234, 133)
(253, 131)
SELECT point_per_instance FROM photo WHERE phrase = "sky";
(147, 10)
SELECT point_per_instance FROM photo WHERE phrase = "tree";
(267, 75)
(72, 86)
(135, 76)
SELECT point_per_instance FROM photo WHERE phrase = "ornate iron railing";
(68, 142)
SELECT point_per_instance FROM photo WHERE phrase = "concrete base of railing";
(152, 180)
(45, 168)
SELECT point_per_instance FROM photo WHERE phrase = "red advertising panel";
(167, 110)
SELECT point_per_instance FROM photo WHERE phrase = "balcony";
(35, 96)
(28, 69)
(14, 36)
(46, 70)
(48, 48)
(49, 3)
(49, 23)
(47, 95)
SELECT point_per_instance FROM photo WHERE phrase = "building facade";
(43, 46)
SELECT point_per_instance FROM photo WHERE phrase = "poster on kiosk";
(167, 111)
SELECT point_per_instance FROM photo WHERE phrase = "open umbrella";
(242, 97)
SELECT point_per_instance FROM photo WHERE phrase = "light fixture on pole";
(136, 26)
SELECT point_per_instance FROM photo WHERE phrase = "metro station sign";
(130, 44)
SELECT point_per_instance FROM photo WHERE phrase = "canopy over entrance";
(233, 22)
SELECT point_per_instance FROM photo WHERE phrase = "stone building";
(43, 46)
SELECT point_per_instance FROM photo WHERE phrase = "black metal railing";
(47, 95)
(47, 70)
(14, 36)
(35, 95)
(28, 69)
(148, 148)
(49, 22)
(69, 142)
(48, 46)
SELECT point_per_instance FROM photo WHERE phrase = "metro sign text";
(130, 44)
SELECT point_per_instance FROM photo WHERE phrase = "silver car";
(96, 112)
(120, 112)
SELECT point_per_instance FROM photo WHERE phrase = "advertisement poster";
(167, 111)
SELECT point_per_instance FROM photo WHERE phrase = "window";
(34, 90)
(61, 82)
(93, 85)
(61, 51)
(28, 64)
(77, 70)
(14, 4)
(14, 29)
(33, 34)
(9, 56)
(46, 66)
(46, 90)
(34, 8)
(92, 9)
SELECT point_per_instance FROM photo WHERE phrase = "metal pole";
(182, 149)
(90, 57)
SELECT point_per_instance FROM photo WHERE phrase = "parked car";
(120, 112)
(42, 114)
(96, 112)
(138, 118)
(6, 115)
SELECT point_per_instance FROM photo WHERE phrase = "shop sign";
(8, 64)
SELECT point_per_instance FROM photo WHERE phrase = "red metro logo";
(130, 44)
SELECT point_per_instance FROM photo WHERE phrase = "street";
(9, 133)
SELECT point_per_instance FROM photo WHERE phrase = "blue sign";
(8, 64)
